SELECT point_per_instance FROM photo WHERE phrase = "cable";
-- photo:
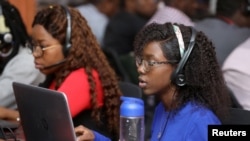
(170, 112)
(13, 136)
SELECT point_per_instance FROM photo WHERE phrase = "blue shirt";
(188, 124)
(100, 137)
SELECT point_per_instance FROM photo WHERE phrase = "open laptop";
(44, 113)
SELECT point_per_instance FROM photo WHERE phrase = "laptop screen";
(44, 113)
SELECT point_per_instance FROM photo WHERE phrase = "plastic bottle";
(132, 126)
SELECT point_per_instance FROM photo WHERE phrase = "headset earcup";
(7, 37)
(180, 80)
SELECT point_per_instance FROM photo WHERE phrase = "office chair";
(237, 116)
(235, 102)
(116, 64)
(129, 89)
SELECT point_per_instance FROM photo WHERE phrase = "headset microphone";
(54, 65)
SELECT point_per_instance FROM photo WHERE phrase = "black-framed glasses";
(148, 64)
(39, 50)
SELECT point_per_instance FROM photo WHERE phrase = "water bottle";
(132, 119)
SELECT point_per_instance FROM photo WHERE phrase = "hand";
(84, 134)
(8, 114)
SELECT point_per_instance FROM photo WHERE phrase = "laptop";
(44, 113)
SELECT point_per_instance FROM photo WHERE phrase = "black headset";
(177, 76)
(68, 32)
(5, 38)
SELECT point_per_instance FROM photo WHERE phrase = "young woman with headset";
(178, 65)
(67, 52)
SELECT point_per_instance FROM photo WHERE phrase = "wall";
(27, 10)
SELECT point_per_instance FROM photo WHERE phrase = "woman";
(67, 52)
(179, 67)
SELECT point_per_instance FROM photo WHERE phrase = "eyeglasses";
(39, 50)
(147, 65)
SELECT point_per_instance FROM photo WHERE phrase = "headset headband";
(178, 77)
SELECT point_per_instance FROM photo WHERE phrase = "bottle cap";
(132, 107)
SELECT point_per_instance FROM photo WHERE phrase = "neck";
(168, 99)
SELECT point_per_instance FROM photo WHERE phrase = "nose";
(36, 53)
(140, 69)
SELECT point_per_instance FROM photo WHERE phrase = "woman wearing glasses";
(67, 52)
(178, 66)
